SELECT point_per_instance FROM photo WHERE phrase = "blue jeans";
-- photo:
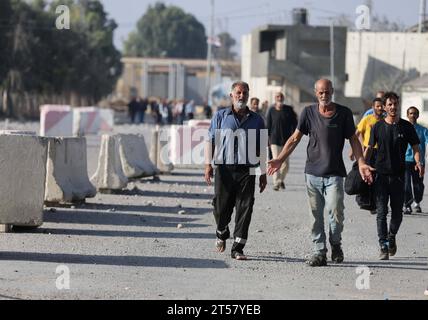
(326, 193)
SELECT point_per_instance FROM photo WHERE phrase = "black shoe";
(276, 188)
(282, 186)
(392, 245)
(407, 210)
(317, 260)
(373, 212)
(384, 252)
(418, 208)
(337, 254)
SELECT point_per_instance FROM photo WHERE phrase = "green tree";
(224, 51)
(5, 36)
(78, 66)
(167, 32)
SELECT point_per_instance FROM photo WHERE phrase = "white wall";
(401, 50)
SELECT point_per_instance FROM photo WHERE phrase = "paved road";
(129, 247)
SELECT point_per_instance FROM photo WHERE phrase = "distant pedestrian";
(189, 110)
(141, 110)
(328, 124)
(414, 184)
(281, 124)
(391, 135)
(133, 106)
(370, 111)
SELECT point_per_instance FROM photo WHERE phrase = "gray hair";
(240, 84)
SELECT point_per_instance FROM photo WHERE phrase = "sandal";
(220, 245)
(239, 255)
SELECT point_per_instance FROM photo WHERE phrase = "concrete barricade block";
(86, 121)
(159, 151)
(106, 120)
(56, 121)
(67, 178)
(92, 120)
(135, 157)
(187, 145)
(109, 174)
(23, 173)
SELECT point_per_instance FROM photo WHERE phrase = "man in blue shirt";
(411, 176)
(235, 141)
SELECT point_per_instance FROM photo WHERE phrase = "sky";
(239, 17)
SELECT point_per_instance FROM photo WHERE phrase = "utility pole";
(422, 10)
(209, 54)
(332, 52)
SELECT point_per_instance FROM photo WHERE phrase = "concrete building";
(415, 93)
(290, 58)
(383, 60)
(171, 78)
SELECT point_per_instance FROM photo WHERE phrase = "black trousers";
(389, 188)
(412, 177)
(234, 188)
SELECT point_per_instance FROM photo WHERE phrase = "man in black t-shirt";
(392, 136)
(328, 124)
(281, 123)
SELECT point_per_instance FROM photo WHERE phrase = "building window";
(425, 105)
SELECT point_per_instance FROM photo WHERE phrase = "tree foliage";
(167, 31)
(224, 51)
(80, 64)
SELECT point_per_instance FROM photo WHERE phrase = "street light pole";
(332, 53)
(209, 54)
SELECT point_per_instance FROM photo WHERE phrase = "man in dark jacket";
(281, 123)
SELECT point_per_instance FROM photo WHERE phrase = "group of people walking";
(388, 150)
(164, 112)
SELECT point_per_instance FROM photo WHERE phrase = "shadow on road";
(122, 219)
(114, 233)
(142, 208)
(173, 194)
(131, 261)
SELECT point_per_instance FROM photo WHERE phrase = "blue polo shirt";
(422, 133)
(237, 142)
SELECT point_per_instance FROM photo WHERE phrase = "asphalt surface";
(130, 246)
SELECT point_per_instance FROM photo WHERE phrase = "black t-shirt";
(326, 140)
(281, 124)
(392, 141)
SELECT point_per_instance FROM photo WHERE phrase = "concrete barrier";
(106, 120)
(67, 174)
(109, 174)
(56, 121)
(159, 152)
(92, 120)
(22, 186)
(135, 157)
(187, 144)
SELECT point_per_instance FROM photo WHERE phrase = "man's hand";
(366, 173)
(262, 182)
(273, 166)
(209, 173)
(420, 168)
